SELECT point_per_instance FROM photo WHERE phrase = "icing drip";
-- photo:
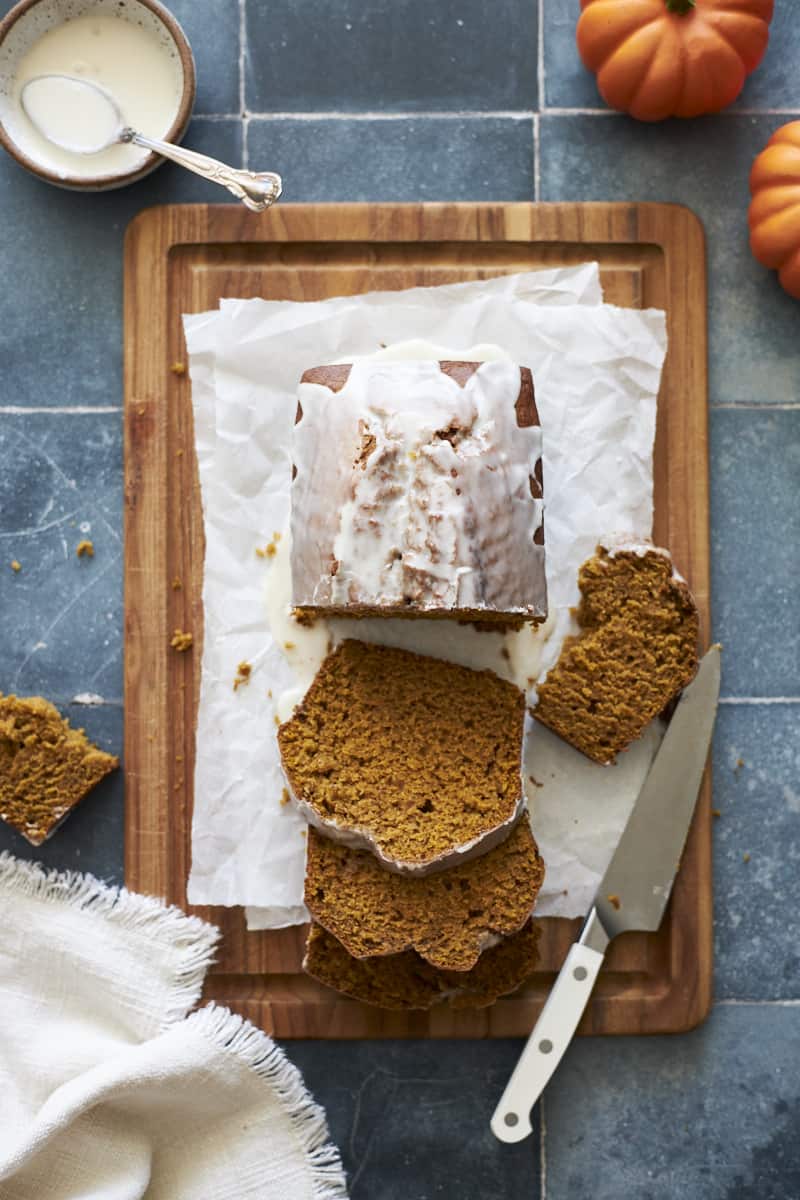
(435, 504)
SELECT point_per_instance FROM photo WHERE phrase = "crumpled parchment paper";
(596, 370)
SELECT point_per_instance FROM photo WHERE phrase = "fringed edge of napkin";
(194, 940)
(256, 1050)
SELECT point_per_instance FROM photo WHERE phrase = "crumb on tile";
(181, 641)
(716, 812)
(614, 900)
(16, 566)
(289, 646)
(285, 797)
(277, 720)
(243, 673)
(85, 548)
(535, 781)
(746, 857)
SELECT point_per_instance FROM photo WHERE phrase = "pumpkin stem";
(681, 7)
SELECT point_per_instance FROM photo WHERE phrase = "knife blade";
(632, 894)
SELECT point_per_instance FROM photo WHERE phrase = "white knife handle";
(551, 1035)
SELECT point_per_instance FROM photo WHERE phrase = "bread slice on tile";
(636, 651)
(448, 918)
(413, 758)
(406, 981)
(46, 766)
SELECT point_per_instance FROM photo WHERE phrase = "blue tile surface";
(405, 159)
(712, 1115)
(216, 48)
(755, 559)
(757, 852)
(61, 631)
(705, 164)
(567, 83)
(411, 1118)
(386, 55)
(61, 324)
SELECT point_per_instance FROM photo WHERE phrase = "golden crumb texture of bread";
(407, 981)
(415, 756)
(447, 918)
(636, 651)
(46, 766)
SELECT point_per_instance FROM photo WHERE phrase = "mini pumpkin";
(774, 215)
(672, 58)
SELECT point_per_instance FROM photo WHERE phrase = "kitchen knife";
(632, 895)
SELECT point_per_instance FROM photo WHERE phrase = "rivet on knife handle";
(551, 1035)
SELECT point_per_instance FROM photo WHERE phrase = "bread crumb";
(181, 641)
(289, 646)
(142, 410)
(746, 857)
(504, 654)
(304, 619)
(85, 548)
(285, 797)
(739, 764)
(715, 812)
(277, 720)
(176, 584)
(179, 453)
(243, 672)
(535, 782)
(270, 550)
(16, 566)
(614, 901)
(178, 368)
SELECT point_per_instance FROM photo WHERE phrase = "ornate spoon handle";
(257, 190)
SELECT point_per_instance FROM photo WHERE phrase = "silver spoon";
(60, 124)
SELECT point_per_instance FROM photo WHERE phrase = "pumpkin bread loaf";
(46, 767)
(407, 981)
(637, 649)
(418, 492)
(448, 918)
(416, 759)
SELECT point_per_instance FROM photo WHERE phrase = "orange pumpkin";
(774, 215)
(672, 58)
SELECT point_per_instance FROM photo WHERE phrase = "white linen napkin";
(108, 1090)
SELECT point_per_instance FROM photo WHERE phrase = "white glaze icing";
(419, 489)
(106, 48)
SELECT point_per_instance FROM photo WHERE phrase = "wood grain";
(184, 259)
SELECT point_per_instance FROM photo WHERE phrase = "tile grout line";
(536, 171)
(242, 98)
(767, 406)
(757, 1003)
(537, 125)
(754, 700)
(508, 114)
(542, 1151)
(80, 410)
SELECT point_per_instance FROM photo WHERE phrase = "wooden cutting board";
(182, 259)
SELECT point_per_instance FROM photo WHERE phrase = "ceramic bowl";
(27, 21)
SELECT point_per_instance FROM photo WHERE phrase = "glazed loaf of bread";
(418, 492)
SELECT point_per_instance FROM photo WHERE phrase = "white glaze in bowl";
(27, 23)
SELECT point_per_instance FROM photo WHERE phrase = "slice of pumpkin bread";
(46, 766)
(637, 649)
(448, 918)
(406, 981)
(413, 758)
